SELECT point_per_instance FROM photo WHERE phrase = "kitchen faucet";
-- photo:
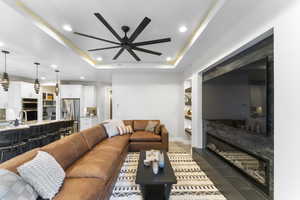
(21, 116)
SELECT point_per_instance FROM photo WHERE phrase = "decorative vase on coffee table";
(161, 161)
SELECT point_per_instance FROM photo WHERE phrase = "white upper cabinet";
(27, 90)
(3, 98)
(70, 91)
(89, 96)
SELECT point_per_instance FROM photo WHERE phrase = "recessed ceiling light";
(1, 44)
(54, 66)
(168, 58)
(182, 29)
(99, 59)
(67, 27)
(43, 78)
(82, 77)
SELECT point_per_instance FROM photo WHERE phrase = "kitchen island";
(15, 140)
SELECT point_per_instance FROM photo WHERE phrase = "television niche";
(238, 98)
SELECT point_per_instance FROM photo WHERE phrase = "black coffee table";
(155, 186)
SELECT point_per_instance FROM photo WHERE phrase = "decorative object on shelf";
(188, 131)
(56, 85)
(5, 78)
(37, 84)
(126, 43)
(187, 100)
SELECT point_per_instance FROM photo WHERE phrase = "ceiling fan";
(126, 43)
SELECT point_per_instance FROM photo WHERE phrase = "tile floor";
(232, 184)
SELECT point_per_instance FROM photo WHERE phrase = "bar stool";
(70, 127)
(53, 129)
(8, 141)
(36, 136)
(21, 143)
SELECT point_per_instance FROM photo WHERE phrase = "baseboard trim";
(180, 139)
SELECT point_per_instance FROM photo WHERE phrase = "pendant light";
(37, 84)
(57, 85)
(5, 78)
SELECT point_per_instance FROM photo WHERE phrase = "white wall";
(151, 95)
(102, 101)
(287, 105)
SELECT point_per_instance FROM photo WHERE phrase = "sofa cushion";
(79, 143)
(144, 136)
(94, 135)
(63, 150)
(14, 163)
(140, 125)
(94, 164)
(107, 147)
(81, 189)
(119, 142)
(128, 122)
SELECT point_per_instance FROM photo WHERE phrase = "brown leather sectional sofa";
(92, 161)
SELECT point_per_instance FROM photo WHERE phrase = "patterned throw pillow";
(125, 129)
(122, 130)
(13, 187)
(157, 129)
(129, 129)
(44, 173)
(111, 129)
(151, 126)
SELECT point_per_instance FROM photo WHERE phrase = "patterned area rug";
(192, 182)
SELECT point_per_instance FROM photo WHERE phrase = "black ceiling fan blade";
(119, 53)
(147, 51)
(97, 38)
(139, 29)
(101, 18)
(133, 54)
(99, 49)
(152, 42)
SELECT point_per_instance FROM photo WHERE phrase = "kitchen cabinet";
(88, 122)
(70, 91)
(3, 98)
(27, 90)
(89, 96)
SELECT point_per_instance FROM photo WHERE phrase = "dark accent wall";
(260, 145)
(263, 49)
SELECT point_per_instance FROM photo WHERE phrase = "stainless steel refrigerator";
(70, 110)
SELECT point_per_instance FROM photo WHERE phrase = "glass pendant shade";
(5, 81)
(57, 85)
(5, 77)
(56, 89)
(37, 84)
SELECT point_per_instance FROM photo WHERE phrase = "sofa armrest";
(164, 137)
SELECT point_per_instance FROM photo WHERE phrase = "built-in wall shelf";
(188, 103)
(188, 108)
(188, 131)
(188, 90)
(188, 117)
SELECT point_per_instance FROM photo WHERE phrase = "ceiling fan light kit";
(127, 42)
